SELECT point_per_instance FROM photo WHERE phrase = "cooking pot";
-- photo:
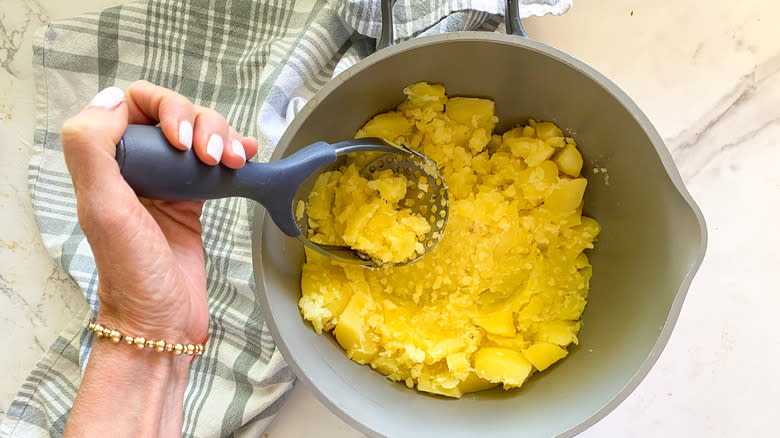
(652, 242)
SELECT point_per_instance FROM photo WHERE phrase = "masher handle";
(157, 170)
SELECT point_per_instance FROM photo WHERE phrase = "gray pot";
(652, 242)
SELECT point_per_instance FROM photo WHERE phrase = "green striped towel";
(257, 63)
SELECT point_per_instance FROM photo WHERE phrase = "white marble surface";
(706, 72)
(37, 298)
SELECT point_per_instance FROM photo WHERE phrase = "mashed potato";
(347, 209)
(502, 294)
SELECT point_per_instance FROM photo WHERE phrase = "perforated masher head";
(426, 194)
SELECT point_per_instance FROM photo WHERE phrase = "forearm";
(128, 392)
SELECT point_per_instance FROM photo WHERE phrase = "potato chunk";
(542, 355)
(472, 112)
(351, 330)
(558, 332)
(425, 383)
(391, 188)
(425, 95)
(502, 365)
(539, 154)
(569, 160)
(545, 130)
(567, 195)
(389, 126)
(499, 322)
(474, 383)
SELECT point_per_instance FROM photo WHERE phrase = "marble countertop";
(707, 74)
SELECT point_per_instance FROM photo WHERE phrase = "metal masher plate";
(428, 199)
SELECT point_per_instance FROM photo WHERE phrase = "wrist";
(170, 331)
(110, 333)
(126, 363)
(129, 392)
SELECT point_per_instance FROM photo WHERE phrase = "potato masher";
(156, 170)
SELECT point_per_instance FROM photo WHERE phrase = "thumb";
(89, 138)
(89, 143)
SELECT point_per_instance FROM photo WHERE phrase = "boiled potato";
(558, 332)
(472, 112)
(542, 355)
(474, 383)
(350, 330)
(539, 154)
(503, 365)
(386, 125)
(556, 142)
(502, 294)
(545, 130)
(424, 95)
(428, 384)
(366, 215)
(538, 182)
(500, 322)
(391, 188)
(566, 195)
(522, 146)
(569, 160)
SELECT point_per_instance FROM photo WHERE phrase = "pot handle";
(513, 25)
(512, 14)
(388, 33)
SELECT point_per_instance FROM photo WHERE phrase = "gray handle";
(156, 170)
(512, 14)
(388, 32)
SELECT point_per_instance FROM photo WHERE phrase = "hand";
(149, 257)
(149, 253)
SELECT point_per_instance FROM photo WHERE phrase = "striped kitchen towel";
(257, 63)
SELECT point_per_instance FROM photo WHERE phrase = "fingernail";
(214, 147)
(108, 98)
(185, 133)
(238, 148)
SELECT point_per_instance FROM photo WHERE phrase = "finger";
(250, 146)
(210, 135)
(234, 155)
(149, 104)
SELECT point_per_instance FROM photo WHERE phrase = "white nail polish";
(215, 146)
(238, 148)
(185, 133)
(108, 98)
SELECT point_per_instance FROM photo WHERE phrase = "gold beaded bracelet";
(140, 342)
